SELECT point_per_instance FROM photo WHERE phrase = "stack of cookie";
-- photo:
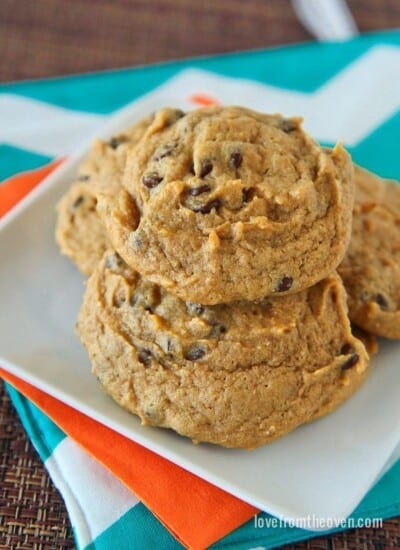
(212, 240)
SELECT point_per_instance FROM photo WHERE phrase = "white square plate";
(322, 469)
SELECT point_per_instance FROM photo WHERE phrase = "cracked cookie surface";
(224, 203)
(371, 267)
(238, 375)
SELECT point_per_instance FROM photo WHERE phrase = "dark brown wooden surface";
(51, 37)
(40, 38)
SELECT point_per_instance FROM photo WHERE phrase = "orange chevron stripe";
(13, 189)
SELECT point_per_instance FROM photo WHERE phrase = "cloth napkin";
(102, 509)
(104, 514)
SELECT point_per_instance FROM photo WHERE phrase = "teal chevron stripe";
(43, 433)
(137, 529)
(14, 160)
(380, 151)
(299, 67)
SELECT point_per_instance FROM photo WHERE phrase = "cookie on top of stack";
(213, 306)
(227, 204)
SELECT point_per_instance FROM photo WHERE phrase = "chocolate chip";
(84, 177)
(194, 353)
(191, 168)
(165, 151)
(206, 208)
(288, 125)
(195, 191)
(175, 115)
(119, 301)
(351, 361)
(206, 167)
(194, 309)
(284, 284)
(346, 349)
(381, 301)
(151, 180)
(235, 160)
(77, 202)
(145, 356)
(116, 141)
(247, 194)
(133, 300)
(217, 329)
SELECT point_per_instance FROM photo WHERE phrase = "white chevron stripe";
(360, 98)
(43, 128)
(347, 107)
(94, 497)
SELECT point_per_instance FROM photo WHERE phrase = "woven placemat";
(32, 512)
(55, 37)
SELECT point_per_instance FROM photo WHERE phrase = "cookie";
(371, 267)
(224, 203)
(80, 234)
(369, 340)
(238, 375)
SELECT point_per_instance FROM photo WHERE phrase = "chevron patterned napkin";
(45, 119)
(104, 514)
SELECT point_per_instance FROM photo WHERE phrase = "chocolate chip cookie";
(238, 375)
(80, 234)
(371, 268)
(224, 203)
